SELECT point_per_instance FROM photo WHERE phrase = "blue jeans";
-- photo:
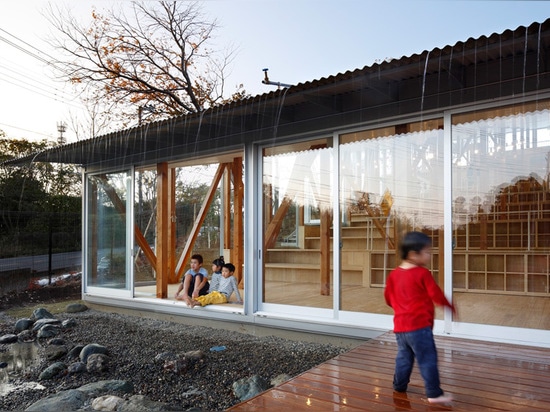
(418, 344)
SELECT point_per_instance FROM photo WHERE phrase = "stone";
(40, 323)
(97, 363)
(99, 388)
(165, 356)
(23, 324)
(52, 371)
(69, 323)
(279, 379)
(107, 403)
(69, 400)
(74, 353)
(48, 331)
(247, 388)
(41, 313)
(76, 307)
(194, 355)
(8, 338)
(91, 349)
(76, 367)
(26, 336)
(139, 403)
(55, 352)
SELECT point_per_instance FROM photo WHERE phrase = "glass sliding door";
(391, 181)
(297, 221)
(108, 228)
(501, 215)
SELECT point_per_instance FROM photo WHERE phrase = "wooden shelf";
(501, 271)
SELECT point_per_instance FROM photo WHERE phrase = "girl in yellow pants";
(221, 288)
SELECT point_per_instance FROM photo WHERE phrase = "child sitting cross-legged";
(221, 288)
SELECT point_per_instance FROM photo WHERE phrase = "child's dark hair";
(230, 267)
(414, 241)
(197, 257)
(219, 261)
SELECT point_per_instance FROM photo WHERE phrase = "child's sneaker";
(443, 398)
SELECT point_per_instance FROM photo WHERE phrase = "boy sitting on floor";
(221, 288)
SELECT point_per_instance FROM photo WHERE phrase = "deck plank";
(480, 375)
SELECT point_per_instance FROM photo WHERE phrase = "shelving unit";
(505, 250)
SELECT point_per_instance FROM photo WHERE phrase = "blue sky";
(299, 41)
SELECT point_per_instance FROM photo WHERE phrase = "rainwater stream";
(14, 363)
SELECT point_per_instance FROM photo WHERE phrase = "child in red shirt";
(411, 291)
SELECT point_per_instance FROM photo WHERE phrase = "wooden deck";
(481, 376)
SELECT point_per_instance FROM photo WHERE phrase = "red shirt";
(412, 294)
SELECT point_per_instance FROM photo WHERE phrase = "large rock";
(99, 388)
(76, 307)
(8, 338)
(48, 331)
(54, 352)
(74, 353)
(90, 349)
(70, 400)
(23, 324)
(247, 388)
(52, 371)
(97, 363)
(107, 403)
(139, 403)
(41, 313)
(40, 323)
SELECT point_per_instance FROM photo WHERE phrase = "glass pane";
(391, 182)
(146, 222)
(107, 197)
(193, 184)
(501, 215)
(297, 224)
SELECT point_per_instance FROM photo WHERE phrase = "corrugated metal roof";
(439, 77)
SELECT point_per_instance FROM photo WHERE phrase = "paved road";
(40, 263)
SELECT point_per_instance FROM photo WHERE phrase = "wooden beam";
(227, 209)
(172, 223)
(163, 223)
(94, 232)
(237, 252)
(325, 250)
(144, 246)
(274, 227)
(186, 253)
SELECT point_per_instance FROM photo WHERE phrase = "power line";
(34, 77)
(25, 50)
(42, 94)
(26, 130)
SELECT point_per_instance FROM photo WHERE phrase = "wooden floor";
(481, 376)
(489, 309)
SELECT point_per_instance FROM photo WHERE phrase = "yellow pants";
(211, 298)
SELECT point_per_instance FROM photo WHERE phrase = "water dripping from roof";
(424, 83)
(20, 357)
(525, 59)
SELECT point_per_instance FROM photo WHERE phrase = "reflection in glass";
(501, 214)
(106, 230)
(391, 181)
(297, 221)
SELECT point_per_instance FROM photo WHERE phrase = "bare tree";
(156, 55)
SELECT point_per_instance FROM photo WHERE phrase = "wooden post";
(171, 224)
(237, 253)
(227, 209)
(325, 250)
(163, 224)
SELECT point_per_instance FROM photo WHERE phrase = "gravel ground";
(133, 343)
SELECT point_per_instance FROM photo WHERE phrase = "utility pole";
(61, 128)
